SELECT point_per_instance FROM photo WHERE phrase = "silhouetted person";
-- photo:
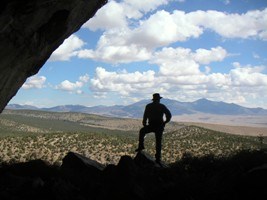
(153, 121)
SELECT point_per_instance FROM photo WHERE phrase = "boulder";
(75, 161)
(136, 178)
(83, 172)
(144, 159)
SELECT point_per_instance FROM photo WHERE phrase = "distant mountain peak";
(21, 107)
(203, 100)
(136, 109)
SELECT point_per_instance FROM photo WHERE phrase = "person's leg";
(158, 135)
(143, 131)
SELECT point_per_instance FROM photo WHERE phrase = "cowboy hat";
(156, 96)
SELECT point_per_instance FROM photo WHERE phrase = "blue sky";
(183, 49)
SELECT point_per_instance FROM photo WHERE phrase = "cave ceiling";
(30, 30)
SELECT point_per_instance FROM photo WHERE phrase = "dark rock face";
(30, 30)
(242, 176)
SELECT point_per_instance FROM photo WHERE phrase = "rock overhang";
(30, 31)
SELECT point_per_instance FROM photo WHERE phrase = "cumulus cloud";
(138, 84)
(110, 16)
(117, 14)
(204, 56)
(122, 82)
(240, 83)
(164, 28)
(84, 78)
(145, 6)
(133, 31)
(69, 86)
(117, 53)
(248, 76)
(34, 82)
(124, 45)
(125, 41)
(182, 61)
(179, 68)
(67, 49)
(232, 25)
(73, 87)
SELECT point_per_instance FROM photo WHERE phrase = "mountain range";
(136, 110)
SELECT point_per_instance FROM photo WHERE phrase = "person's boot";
(158, 161)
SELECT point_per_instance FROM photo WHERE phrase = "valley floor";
(240, 125)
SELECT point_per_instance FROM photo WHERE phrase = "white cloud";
(34, 82)
(164, 28)
(112, 15)
(145, 6)
(181, 61)
(128, 41)
(67, 49)
(248, 76)
(69, 86)
(73, 87)
(84, 78)
(204, 56)
(178, 70)
(122, 82)
(123, 43)
(133, 32)
(240, 84)
(117, 15)
(117, 54)
(247, 25)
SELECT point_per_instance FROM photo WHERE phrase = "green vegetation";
(28, 135)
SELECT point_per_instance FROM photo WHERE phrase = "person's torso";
(155, 112)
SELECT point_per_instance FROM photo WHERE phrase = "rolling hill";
(135, 110)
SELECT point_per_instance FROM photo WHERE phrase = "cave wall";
(30, 30)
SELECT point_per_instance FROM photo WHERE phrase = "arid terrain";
(27, 135)
(233, 124)
(239, 130)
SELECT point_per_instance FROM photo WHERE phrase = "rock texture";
(242, 176)
(30, 30)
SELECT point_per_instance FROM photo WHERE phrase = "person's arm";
(145, 117)
(168, 115)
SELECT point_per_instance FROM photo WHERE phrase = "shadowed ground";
(240, 176)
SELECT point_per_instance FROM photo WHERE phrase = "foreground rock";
(239, 177)
(30, 31)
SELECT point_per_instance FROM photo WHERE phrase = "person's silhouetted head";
(156, 97)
